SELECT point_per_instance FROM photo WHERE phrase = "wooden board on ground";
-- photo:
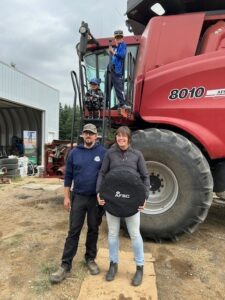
(97, 288)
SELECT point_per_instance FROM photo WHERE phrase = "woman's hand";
(100, 201)
(140, 208)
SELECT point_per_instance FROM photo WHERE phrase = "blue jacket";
(82, 168)
(119, 57)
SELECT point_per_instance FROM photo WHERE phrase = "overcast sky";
(39, 36)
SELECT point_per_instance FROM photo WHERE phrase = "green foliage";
(41, 286)
(48, 268)
(65, 122)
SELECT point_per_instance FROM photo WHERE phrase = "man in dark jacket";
(83, 165)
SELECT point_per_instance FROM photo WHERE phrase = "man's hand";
(67, 203)
(111, 50)
(140, 208)
(100, 201)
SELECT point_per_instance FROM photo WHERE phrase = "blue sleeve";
(121, 50)
(68, 178)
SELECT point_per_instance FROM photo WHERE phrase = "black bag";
(123, 192)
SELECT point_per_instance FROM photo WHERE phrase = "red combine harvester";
(174, 82)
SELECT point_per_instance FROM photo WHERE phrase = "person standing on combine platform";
(116, 68)
(82, 168)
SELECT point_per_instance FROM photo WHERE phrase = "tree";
(65, 122)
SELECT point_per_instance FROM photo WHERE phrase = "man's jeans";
(81, 205)
(133, 227)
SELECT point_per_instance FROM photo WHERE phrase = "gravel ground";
(33, 227)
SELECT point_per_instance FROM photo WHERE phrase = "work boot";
(137, 279)
(112, 271)
(93, 267)
(59, 275)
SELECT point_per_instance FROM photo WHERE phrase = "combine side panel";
(166, 40)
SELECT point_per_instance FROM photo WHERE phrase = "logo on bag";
(119, 195)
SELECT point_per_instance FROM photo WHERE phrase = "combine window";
(95, 65)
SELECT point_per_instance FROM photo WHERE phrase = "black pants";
(81, 205)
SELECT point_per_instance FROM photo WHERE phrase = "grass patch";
(41, 286)
(15, 240)
(17, 178)
(48, 268)
(81, 270)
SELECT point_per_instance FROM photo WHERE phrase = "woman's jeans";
(133, 227)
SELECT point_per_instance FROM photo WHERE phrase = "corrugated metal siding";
(14, 120)
(18, 87)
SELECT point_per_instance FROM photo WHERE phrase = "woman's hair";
(124, 130)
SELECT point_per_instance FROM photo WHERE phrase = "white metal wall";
(17, 87)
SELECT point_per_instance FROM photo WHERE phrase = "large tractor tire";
(4, 161)
(219, 180)
(181, 184)
(10, 166)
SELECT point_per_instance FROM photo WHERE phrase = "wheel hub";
(164, 188)
(156, 183)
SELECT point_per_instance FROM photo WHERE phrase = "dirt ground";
(33, 227)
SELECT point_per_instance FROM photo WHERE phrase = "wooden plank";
(97, 288)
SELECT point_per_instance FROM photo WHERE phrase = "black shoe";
(93, 267)
(59, 275)
(112, 271)
(137, 279)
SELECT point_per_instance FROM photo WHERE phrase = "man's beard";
(88, 143)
